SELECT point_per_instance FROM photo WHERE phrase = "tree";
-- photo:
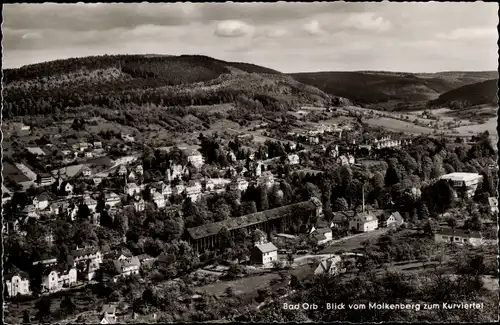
(431, 227)
(43, 307)
(424, 212)
(258, 235)
(226, 240)
(452, 222)
(391, 176)
(262, 203)
(26, 317)
(340, 204)
(67, 305)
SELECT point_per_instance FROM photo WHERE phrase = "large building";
(207, 236)
(458, 236)
(464, 184)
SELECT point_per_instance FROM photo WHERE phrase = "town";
(255, 163)
(161, 214)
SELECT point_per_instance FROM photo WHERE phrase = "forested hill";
(119, 81)
(481, 93)
(390, 90)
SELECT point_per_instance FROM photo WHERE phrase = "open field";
(353, 243)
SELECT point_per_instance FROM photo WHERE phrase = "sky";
(288, 37)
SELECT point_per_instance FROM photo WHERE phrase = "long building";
(279, 219)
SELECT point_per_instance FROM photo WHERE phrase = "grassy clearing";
(353, 243)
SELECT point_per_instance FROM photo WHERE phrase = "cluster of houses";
(80, 268)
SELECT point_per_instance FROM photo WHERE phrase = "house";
(139, 170)
(111, 199)
(208, 235)
(293, 159)
(159, 200)
(86, 171)
(122, 170)
(139, 205)
(45, 179)
(393, 219)
(464, 184)
(90, 203)
(364, 222)
(41, 202)
(132, 189)
(72, 211)
(22, 130)
(195, 158)
(127, 137)
(176, 171)
(240, 184)
(126, 266)
(329, 266)
(84, 146)
(37, 151)
(55, 278)
(108, 315)
(493, 202)
(97, 145)
(458, 236)
(17, 283)
(321, 235)
(131, 176)
(87, 261)
(66, 188)
(193, 191)
(341, 219)
(97, 180)
(178, 189)
(89, 154)
(145, 259)
(161, 188)
(6, 194)
(264, 254)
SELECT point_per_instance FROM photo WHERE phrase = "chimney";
(363, 189)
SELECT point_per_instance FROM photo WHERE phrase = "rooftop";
(461, 176)
(249, 219)
(266, 248)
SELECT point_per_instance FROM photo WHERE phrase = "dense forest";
(471, 95)
(116, 82)
(378, 87)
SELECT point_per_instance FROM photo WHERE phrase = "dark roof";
(84, 251)
(249, 219)
(459, 233)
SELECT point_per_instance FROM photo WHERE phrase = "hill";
(137, 85)
(481, 93)
(390, 90)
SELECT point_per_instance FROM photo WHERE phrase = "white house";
(364, 222)
(241, 184)
(126, 266)
(132, 189)
(193, 191)
(132, 176)
(111, 199)
(17, 284)
(122, 170)
(321, 235)
(393, 219)
(178, 189)
(458, 236)
(54, 280)
(41, 202)
(463, 183)
(195, 158)
(264, 254)
(493, 202)
(159, 200)
(90, 203)
(139, 205)
(293, 159)
(139, 170)
(86, 171)
(330, 266)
